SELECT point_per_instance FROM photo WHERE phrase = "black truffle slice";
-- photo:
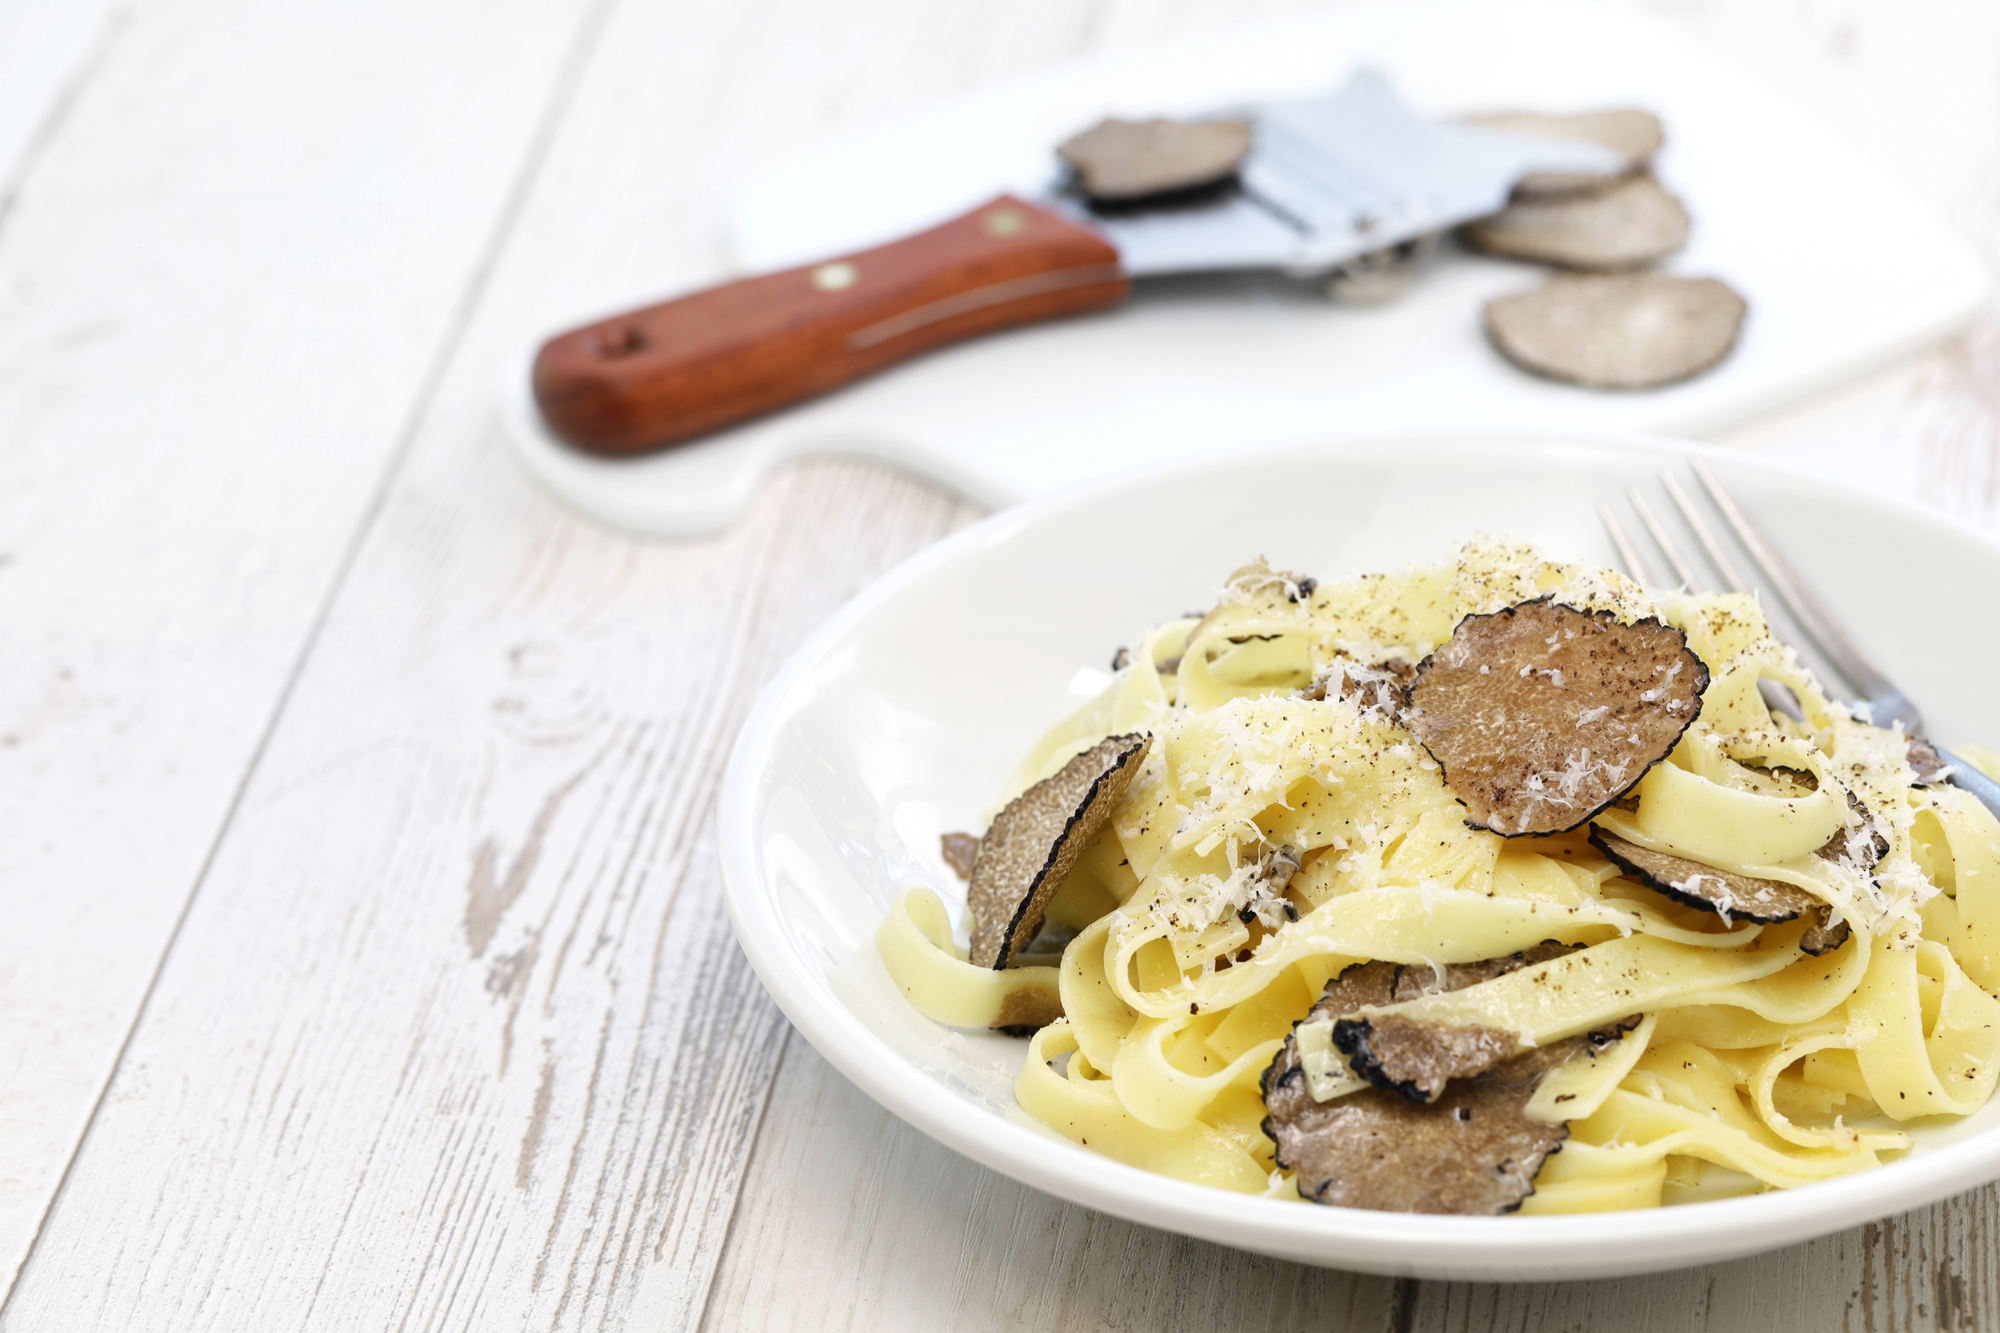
(1473, 1151)
(1259, 587)
(1859, 846)
(1026, 1011)
(1634, 133)
(960, 850)
(1928, 764)
(1418, 1059)
(1358, 986)
(1384, 687)
(1781, 781)
(1118, 161)
(1617, 331)
(1541, 715)
(1035, 841)
(1821, 938)
(1712, 889)
(1364, 985)
(1706, 887)
(1628, 225)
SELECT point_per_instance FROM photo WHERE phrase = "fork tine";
(1682, 571)
(1887, 704)
(1621, 541)
(1805, 607)
(1711, 543)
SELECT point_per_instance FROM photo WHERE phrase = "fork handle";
(667, 373)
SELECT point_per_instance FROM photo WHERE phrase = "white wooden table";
(361, 957)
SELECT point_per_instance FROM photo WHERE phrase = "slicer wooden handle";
(670, 372)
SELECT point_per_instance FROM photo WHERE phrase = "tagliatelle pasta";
(1726, 1052)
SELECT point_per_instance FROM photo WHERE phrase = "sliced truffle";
(1782, 781)
(1473, 1151)
(960, 851)
(1395, 1052)
(1617, 331)
(1629, 225)
(1366, 985)
(1725, 892)
(1358, 986)
(1119, 161)
(1417, 1059)
(1260, 588)
(1034, 842)
(1541, 715)
(1709, 888)
(1928, 764)
(1026, 1011)
(1635, 134)
(1859, 846)
(1822, 938)
(1384, 687)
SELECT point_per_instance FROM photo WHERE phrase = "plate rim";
(1512, 1248)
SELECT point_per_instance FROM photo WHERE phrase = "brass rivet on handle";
(1006, 222)
(835, 277)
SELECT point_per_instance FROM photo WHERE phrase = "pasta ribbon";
(1084, 1106)
(1278, 740)
(915, 942)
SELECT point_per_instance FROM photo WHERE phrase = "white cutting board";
(1844, 271)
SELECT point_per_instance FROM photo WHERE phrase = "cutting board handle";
(671, 372)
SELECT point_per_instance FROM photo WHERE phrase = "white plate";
(1782, 209)
(900, 718)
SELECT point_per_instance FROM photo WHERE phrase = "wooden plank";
(850, 1219)
(1934, 1269)
(221, 290)
(456, 1033)
(312, 1165)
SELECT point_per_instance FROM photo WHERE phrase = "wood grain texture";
(394, 1003)
(223, 280)
(1930, 1270)
(456, 1033)
(851, 1220)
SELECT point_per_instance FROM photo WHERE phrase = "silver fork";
(1887, 705)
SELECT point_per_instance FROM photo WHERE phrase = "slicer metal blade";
(1333, 178)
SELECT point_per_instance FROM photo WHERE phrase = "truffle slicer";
(1326, 181)
(1226, 364)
